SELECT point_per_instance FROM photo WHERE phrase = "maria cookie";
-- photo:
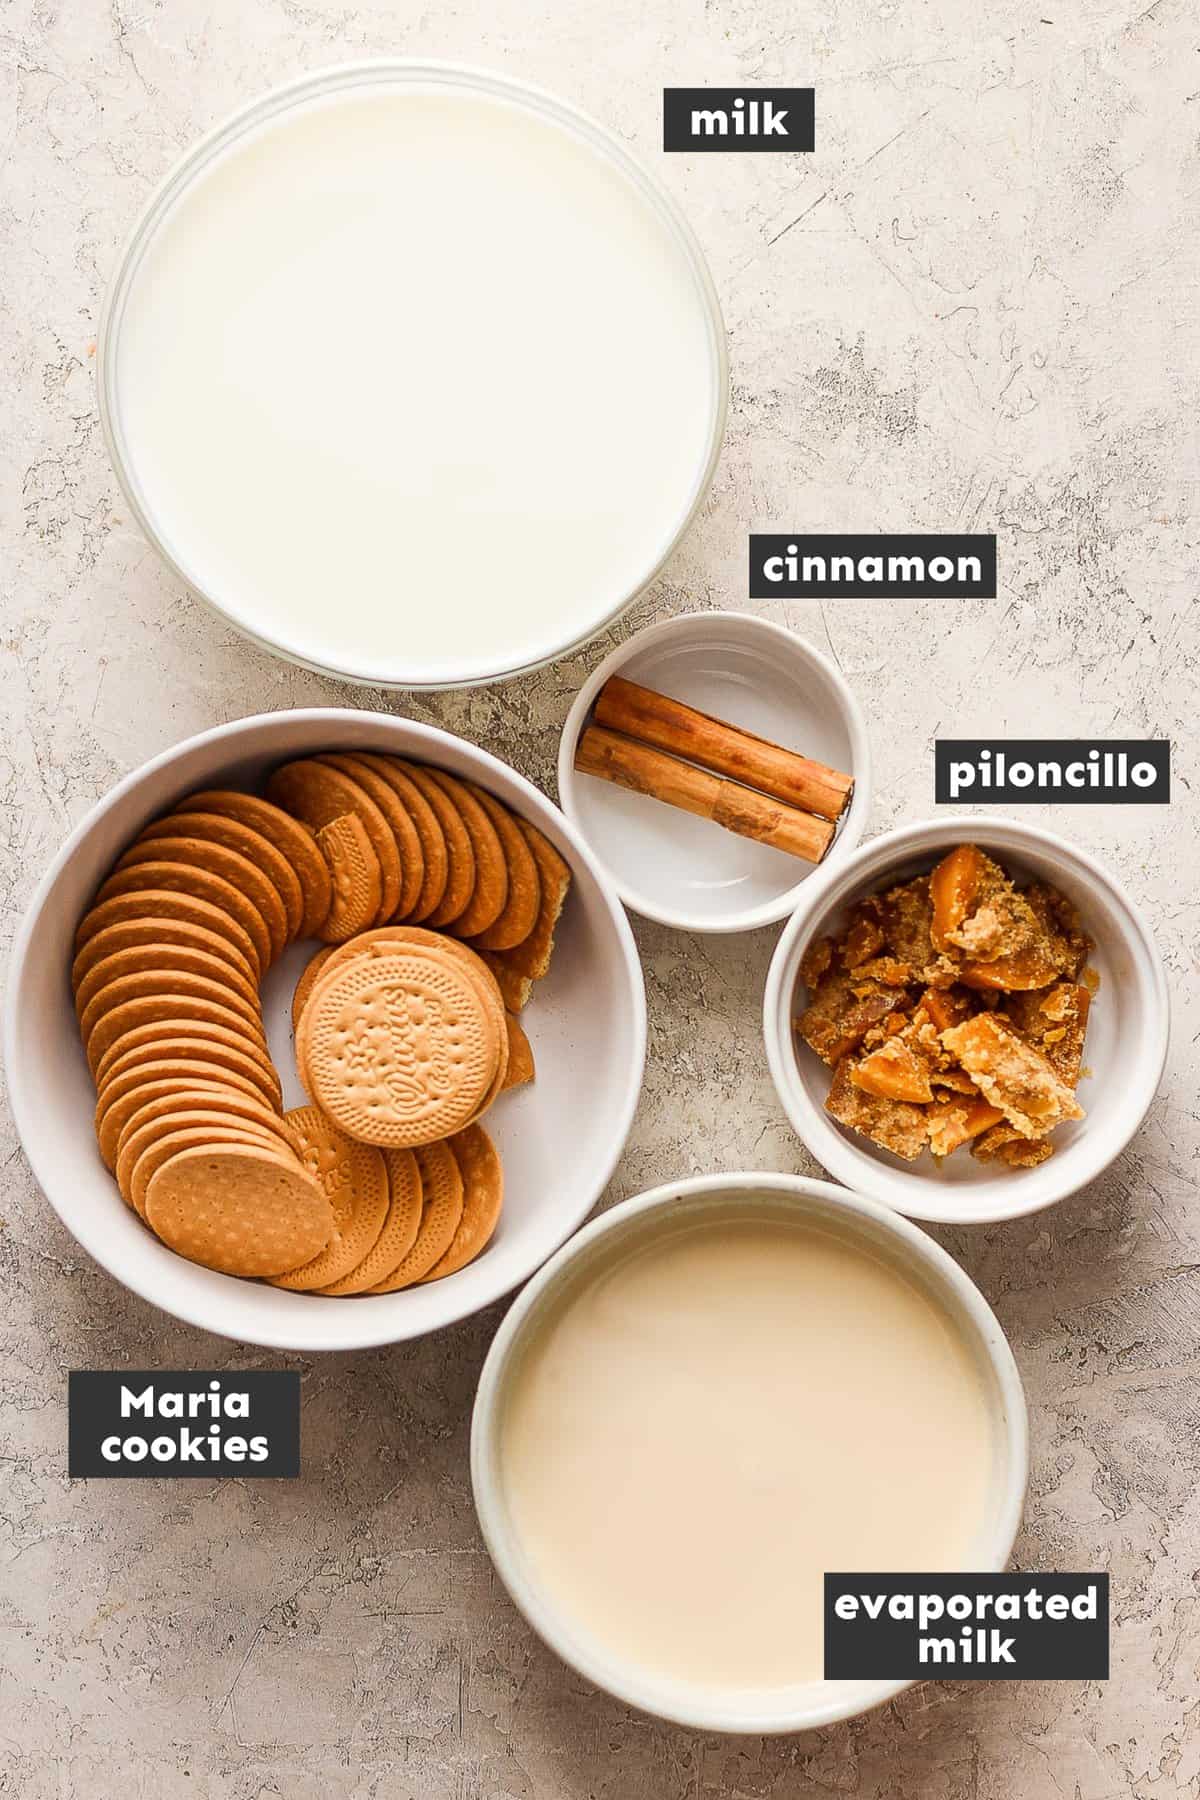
(399, 1050)
(239, 1209)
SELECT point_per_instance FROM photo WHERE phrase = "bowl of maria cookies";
(324, 1030)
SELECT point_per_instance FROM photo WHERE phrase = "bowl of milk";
(714, 1395)
(413, 374)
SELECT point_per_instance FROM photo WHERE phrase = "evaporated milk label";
(971, 1627)
(754, 118)
(154, 1422)
(1068, 771)
(828, 566)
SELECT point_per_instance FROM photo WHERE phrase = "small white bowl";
(688, 872)
(881, 1232)
(1126, 1039)
(587, 1023)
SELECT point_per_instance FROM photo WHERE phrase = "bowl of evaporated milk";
(413, 373)
(710, 1397)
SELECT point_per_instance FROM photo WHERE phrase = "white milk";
(713, 1420)
(416, 383)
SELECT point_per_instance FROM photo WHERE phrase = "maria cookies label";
(144, 1422)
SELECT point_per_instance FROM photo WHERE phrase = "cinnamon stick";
(669, 724)
(644, 770)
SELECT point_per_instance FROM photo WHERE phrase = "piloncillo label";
(1068, 771)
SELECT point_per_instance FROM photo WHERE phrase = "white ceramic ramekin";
(559, 1139)
(1126, 1040)
(881, 1232)
(688, 872)
(401, 672)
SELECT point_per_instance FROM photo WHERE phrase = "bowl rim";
(485, 1438)
(335, 77)
(852, 824)
(908, 1191)
(23, 1103)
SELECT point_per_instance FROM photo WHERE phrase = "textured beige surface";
(975, 306)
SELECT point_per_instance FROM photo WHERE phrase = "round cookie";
(196, 1127)
(400, 1227)
(460, 857)
(442, 1193)
(369, 947)
(288, 835)
(483, 1197)
(191, 1068)
(215, 859)
(139, 933)
(408, 843)
(524, 883)
(353, 1178)
(238, 1209)
(367, 951)
(183, 1039)
(169, 983)
(490, 892)
(239, 1109)
(167, 1009)
(138, 1161)
(217, 828)
(356, 877)
(132, 912)
(316, 793)
(400, 1049)
(392, 938)
(114, 1111)
(178, 957)
(152, 880)
(434, 854)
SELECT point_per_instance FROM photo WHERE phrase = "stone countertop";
(973, 307)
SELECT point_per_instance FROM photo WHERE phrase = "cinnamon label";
(829, 566)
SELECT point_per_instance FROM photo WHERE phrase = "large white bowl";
(223, 590)
(1126, 1038)
(559, 1139)
(880, 1233)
